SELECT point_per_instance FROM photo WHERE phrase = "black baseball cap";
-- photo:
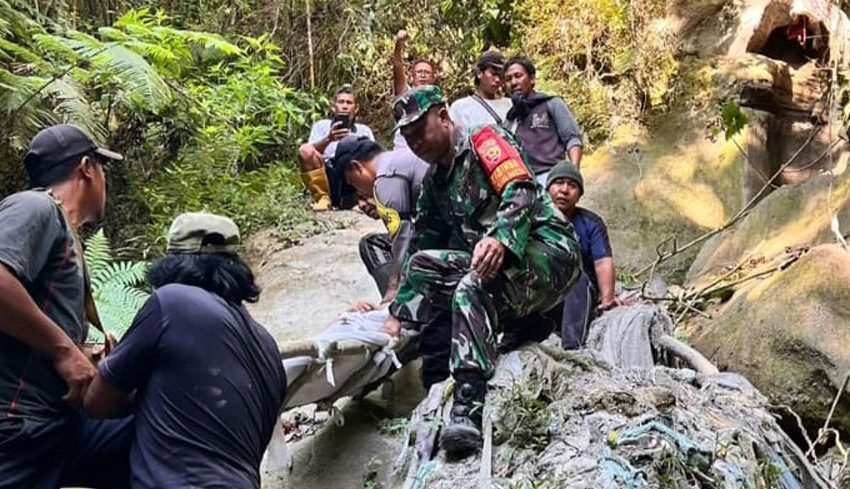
(491, 59)
(350, 148)
(357, 147)
(58, 144)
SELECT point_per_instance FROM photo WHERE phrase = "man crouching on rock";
(518, 254)
(204, 380)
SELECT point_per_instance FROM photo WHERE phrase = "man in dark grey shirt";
(45, 442)
(543, 123)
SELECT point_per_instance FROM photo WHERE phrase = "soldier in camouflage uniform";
(518, 257)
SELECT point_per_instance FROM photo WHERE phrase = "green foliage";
(115, 285)
(527, 425)
(178, 103)
(734, 119)
(614, 61)
(202, 95)
(609, 59)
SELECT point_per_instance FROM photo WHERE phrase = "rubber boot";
(317, 183)
(462, 437)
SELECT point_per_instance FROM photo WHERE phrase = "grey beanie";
(565, 169)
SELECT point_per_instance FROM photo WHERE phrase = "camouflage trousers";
(441, 280)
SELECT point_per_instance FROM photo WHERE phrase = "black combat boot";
(462, 437)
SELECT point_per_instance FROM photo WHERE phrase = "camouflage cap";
(414, 103)
(189, 231)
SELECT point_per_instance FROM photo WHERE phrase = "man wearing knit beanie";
(566, 186)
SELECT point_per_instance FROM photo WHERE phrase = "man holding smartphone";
(320, 148)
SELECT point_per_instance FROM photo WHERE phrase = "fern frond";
(15, 52)
(113, 34)
(118, 305)
(122, 273)
(114, 285)
(98, 253)
(27, 119)
(55, 46)
(132, 70)
(74, 107)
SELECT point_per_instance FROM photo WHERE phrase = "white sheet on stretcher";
(329, 377)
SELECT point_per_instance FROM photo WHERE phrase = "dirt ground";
(304, 288)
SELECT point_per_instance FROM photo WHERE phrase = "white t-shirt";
(468, 112)
(398, 141)
(322, 128)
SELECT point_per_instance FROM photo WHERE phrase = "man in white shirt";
(320, 148)
(486, 105)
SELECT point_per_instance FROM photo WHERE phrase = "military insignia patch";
(500, 160)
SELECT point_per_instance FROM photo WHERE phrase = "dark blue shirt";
(593, 241)
(210, 383)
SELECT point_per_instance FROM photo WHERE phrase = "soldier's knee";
(415, 269)
(468, 289)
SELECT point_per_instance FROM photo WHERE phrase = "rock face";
(793, 216)
(780, 50)
(789, 334)
(667, 181)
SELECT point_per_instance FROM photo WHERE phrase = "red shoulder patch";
(500, 160)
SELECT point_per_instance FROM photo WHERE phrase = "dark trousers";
(376, 252)
(70, 451)
(576, 313)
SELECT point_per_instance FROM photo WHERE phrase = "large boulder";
(788, 334)
(791, 217)
(665, 181)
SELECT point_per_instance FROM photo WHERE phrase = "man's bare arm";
(399, 74)
(24, 321)
(605, 276)
(104, 401)
(575, 156)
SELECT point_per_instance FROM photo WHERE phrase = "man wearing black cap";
(394, 179)
(485, 106)
(45, 442)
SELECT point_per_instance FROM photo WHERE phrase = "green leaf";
(734, 119)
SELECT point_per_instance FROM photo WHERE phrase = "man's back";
(210, 386)
(398, 181)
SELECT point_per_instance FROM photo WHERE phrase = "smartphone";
(344, 119)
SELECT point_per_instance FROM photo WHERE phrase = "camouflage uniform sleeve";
(500, 157)
(513, 219)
